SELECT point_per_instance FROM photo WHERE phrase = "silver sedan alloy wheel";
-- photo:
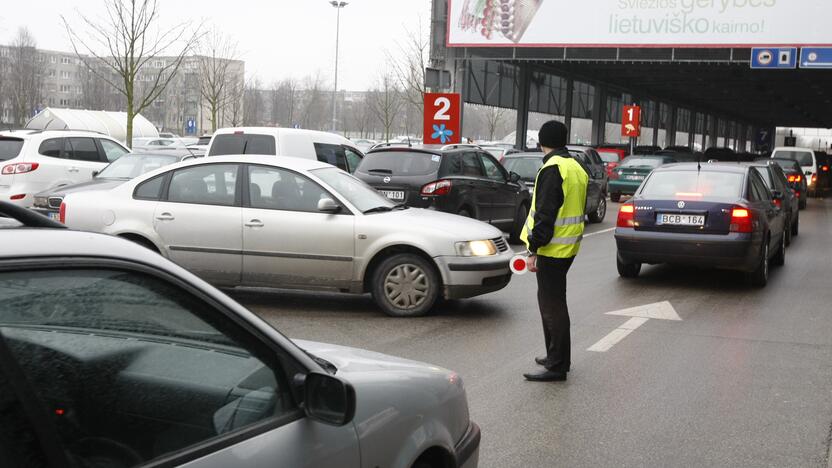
(406, 286)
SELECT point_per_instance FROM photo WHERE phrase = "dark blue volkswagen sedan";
(714, 215)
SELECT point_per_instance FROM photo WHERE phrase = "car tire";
(598, 215)
(780, 257)
(465, 213)
(802, 204)
(796, 227)
(759, 277)
(405, 285)
(615, 197)
(788, 232)
(519, 224)
(627, 270)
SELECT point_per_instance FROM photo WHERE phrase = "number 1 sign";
(631, 122)
(442, 118)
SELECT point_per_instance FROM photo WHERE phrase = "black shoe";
(546, 376)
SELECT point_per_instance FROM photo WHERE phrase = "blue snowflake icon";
(444, 134)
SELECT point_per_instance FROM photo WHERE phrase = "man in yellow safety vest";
(553, 234)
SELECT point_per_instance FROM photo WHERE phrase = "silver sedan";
(266, 221)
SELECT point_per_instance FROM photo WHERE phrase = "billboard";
(638, 23)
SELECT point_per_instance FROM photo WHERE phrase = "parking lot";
(743, 379)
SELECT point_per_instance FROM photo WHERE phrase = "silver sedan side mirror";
(328, 205)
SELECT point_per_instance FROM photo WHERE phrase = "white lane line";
(599, 232)
(615, 336)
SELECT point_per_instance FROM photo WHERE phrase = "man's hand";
(531, 263)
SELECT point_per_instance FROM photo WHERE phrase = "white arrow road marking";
(597, 233)
(639, 316)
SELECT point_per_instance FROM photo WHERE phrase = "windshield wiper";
(379, 209)
(400, 206)
(383, 171)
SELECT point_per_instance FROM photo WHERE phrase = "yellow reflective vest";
(569, 225)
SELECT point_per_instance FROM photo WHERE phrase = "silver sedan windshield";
(361, 195)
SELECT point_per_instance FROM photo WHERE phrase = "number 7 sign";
(631, 122)
(442, 119)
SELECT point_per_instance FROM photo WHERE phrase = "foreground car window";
(10, 148)
(131, 368)
(134, 166)
(713, 184)
(526, 167)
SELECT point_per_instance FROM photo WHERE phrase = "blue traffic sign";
(816, 57)
(783, 57)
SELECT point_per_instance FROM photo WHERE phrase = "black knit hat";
(553, 134)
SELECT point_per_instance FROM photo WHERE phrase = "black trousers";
(551, 297)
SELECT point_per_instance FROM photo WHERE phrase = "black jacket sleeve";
(549, 193)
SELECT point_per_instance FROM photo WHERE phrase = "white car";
(308, 144)
(807, 160)
(283, 222)
(36, 160)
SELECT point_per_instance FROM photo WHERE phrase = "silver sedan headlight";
(479, 248)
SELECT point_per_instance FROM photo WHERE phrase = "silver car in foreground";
(266, 221)
(111, 356)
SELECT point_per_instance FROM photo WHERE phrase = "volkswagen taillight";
(741, 220)
(440, 187)
(626, 216)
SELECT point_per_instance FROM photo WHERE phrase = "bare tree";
(493, 118)
(408, 68)
(4, 79)
(219, 75)
(386, 101)
(252, 113)
(235, 111)
(314, 108)
(25, 75)
(130, 45)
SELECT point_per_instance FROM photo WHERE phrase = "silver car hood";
(356, 361)
(448, 224)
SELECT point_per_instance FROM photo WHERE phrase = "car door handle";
(255, 223)
(165, 217)
(74, 169)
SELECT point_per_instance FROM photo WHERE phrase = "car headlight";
(480, 248)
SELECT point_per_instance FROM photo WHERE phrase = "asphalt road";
(744, 379)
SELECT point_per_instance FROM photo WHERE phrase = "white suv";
(32, 161)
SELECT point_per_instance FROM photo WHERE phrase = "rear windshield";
(10, 148)
(608, 157)
(672, 184)
(788, 165)
(526, 168)
(402, 163)
(804, 158)
(243, 144)
(642, 162)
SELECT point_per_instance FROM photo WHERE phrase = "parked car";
(35, 160)
(499, 152)
(777, 182)
(201, 144)
(720, 154)
(48, 202)
(824, 174)
(526, 166)
(612, 157)
(598, 181)
(463, 180)
(364, 144)
(111, 356)
(309, 144)
(717, 215)
(294, 223)
(795, 177)
(646, 149)
(630, 174)
(808, 164)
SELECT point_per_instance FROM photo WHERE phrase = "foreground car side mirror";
(328, 399)
(328, 205)
(514, 177)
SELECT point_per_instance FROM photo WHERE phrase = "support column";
(657, 113)
(706, 121)
(567, 111)
(672, 116)
(599, 115)
(525, 80)
(692, 129)
(713, 129)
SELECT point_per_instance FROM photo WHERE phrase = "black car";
(48, 202)
(795, 177)
(824, 171)
(526, 165)
(714, 215)
(646, 149)
(778, 183)
(467, 181)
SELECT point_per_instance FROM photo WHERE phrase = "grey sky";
(277, 38)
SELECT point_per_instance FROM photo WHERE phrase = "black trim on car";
(254, 253)
(204, 250)
(469, 444)
(490, 266)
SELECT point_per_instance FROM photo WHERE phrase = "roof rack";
(460, 146)
(26, 217)
(391, 144)
(35, 131)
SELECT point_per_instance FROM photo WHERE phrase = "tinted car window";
(128, 355)
(210, 184)
(765, 175)
(400, 163)
(353, 159)
(84, 149)
(493, 170)
(595, 158)
(112, 150)
(695, 183)
(278, 189)
(150, 189)
(804, 158)
(608, 157)
(526, 168)
(332, 154)
(52, 147)
(471, 166)
(361, 195)
(10, 148)
(243, 144)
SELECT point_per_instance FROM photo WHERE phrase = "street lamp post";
(338, 5)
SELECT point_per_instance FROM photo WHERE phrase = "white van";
(807, 160)
(271, 141)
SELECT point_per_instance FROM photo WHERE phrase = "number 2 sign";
(442, 117)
